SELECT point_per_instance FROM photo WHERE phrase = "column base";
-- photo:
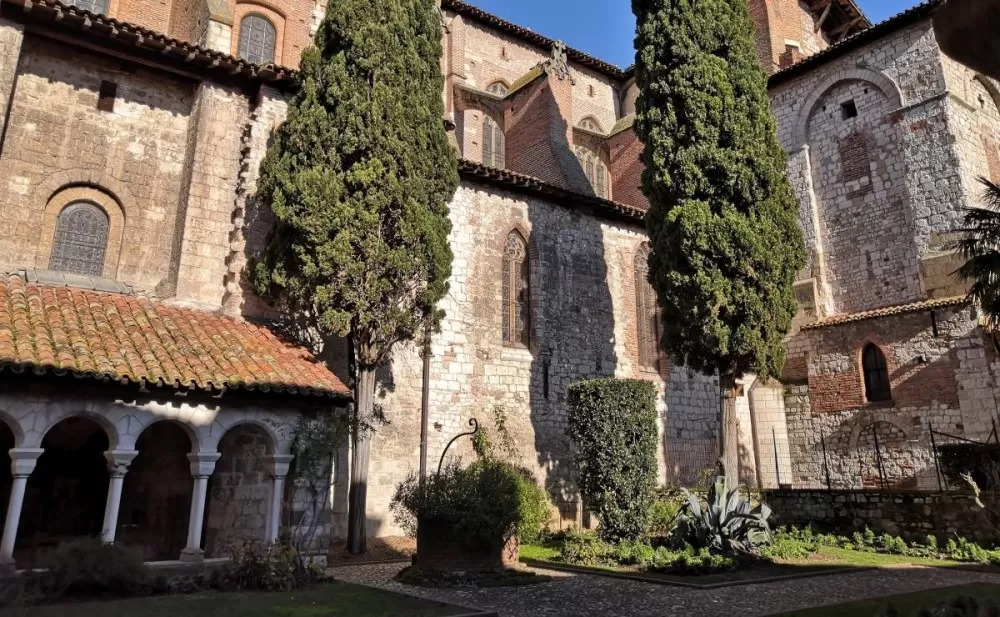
(192, 555)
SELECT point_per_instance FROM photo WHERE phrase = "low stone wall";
(910, 514)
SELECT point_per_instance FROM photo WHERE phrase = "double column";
(118, 464)
(22, 463)
(279, 470)
(202, 466)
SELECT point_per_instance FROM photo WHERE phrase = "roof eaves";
(889, 311)
(906, 18)
(468, 10)
(529, 185)
(110, 32)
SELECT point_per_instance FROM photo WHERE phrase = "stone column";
(202, 466)
(279, 469)
(118, 462)
(22, 463)
(11, 38)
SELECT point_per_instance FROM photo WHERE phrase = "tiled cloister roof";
(900, 309)
(47, 329)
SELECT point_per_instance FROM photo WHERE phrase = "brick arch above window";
(591, 124)
(79, 202)
(260, 10)
(499, 88)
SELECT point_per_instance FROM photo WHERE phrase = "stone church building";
(147, 396)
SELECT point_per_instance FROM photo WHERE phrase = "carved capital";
(22, 461)
(119, 461)
(203, 463)
(279, 464)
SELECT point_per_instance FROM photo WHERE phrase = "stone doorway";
(67, 492)
(239, 491)
(156, 497)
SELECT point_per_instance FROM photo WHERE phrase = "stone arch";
(239, 490)
(147, 420)
(14, 426)
(866, 419)
(156, 495)
(99, 196)
(65, 497)
(878, 79)
(103, 421)
(226, 422)
(95, 178)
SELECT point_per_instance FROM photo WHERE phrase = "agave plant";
(725, 523)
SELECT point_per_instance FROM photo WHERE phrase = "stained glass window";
(81, 240)
(257, 39)
(494, 146)
(516, 308)
(98, 7)
(595, 171)
(646, 309)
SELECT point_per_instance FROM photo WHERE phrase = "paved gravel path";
(578, 595)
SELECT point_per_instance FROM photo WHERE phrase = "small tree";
(725, 240)
(612, 423)
(359, 178)
(979, 245)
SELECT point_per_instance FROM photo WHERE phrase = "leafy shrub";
(634, 553)
(261, 566)
(663, 516)
(612, 422)
(691, 562)
(786, 547)
(725, 524)
(90, 567)
(976, 459)
(486, 503)
(964, 550)
(586, 549)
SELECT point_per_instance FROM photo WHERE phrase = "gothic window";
(876, 374)
(498, 88)
(647, 313)
(494, 146)
(98, 7)
(516, 310)
(595, 170)
(81, 240)
(257, 39)
(591, 125)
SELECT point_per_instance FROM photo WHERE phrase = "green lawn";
(868, 560)
(330, 600)
(907, 604)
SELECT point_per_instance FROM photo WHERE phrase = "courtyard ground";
(583, 595)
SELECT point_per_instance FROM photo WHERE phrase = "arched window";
(595, 170)
(498, 88)
(590, 124)
(257, 39)
(98, 7)
(81, 240)
(516, 310)
(876, 374)
(494, 145)
(646, 312)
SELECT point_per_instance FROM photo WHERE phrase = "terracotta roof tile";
(133, 339)
(900, 309)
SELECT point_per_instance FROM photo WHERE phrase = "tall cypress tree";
(359, 178)
(723, 225)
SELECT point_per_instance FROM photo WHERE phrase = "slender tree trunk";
(729, 453)
(357, 519)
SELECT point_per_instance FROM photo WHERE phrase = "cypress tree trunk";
(357, 519)
(729, 453)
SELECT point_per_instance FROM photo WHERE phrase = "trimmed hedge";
(978, 459)
(612, 422)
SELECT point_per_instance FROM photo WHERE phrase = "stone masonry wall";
(912, 515)
(57, 137)
(583, 316)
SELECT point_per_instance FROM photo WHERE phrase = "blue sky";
(605, 28)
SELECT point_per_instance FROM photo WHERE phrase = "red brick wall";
(535, 126)
(778, 21)
(626, 169)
